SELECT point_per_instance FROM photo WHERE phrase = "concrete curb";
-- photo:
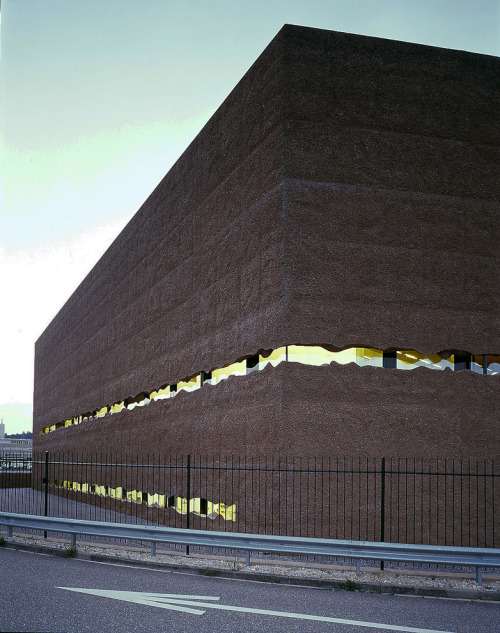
(411, 590)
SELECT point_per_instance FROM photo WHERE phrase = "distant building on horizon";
(334, 225)
(21, 447)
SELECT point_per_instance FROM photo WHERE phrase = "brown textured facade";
(345, 193)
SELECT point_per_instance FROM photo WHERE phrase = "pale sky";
(98, 98)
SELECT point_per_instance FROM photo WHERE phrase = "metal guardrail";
(477, 557)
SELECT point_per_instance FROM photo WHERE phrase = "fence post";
(188, 494)
(46, 495)
(382, 507)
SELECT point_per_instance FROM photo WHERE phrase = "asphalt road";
(40, 592)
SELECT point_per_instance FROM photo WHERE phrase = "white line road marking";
(181, 602)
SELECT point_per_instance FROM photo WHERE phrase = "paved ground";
(54, 594)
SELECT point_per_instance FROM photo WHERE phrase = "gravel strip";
(291, 569)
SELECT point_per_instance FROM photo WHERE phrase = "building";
(334, 224)
(13, 447)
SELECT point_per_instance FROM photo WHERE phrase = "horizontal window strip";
(315, 355)
(198, 506)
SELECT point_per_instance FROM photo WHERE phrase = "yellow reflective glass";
(346, 356)
(227, 512)
(160, 500)
(160, 394)
(181, 505)
(310, 355)
(117, 407)
(194, 505)
(212, 510)
(410, 359)
(276, 357)
(217, 376)
(235, 369)
(369, 357)
(189, 385)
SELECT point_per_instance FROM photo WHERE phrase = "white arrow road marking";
(179, 602)
(162, 600)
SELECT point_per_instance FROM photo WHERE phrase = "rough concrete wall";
(295, 410)
(239, 416)
(372, 224)
(194, 280)
(391, 195)
(346, 410)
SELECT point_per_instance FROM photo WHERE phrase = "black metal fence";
(15, 470)
(431, 501)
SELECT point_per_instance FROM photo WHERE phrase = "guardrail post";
(73, 540)
(153, 548)
(479, 575)
(46, 495)
(188, 494)
(247, 558)
(382, 508)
